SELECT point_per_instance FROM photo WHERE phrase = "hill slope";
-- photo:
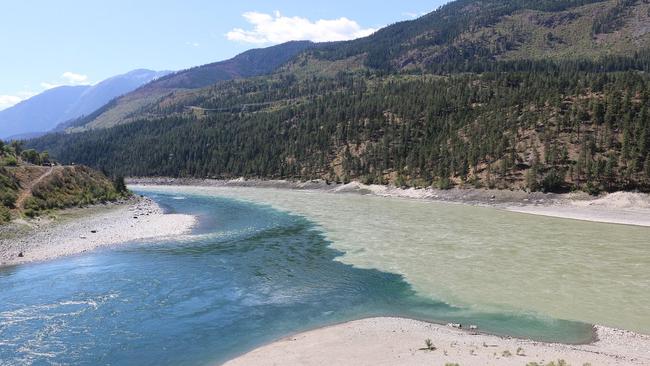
(465, 34)
(97, 96)
(147, 99)
(45, 111)
(478, 93)
(30, 184)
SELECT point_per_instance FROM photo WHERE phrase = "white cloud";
(67, 78)
(276, 28)
(7, 101)
(193, 44)
(49, 85)
(74, 79)
(414, 15)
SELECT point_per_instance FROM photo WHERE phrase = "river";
(266, 263)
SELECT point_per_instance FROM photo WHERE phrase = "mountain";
(516, 94)
(462, 36)
(98, 95)
(45, 111)
(39, 113)
(466, 34)
(250, 63)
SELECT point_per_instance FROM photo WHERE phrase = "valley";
(467, 184)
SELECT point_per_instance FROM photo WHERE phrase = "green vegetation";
(535, 95)
(429, 346)
(552, 363)
(248, 64)
(612, 19)
(46, 187)
(72, 187)
(33, 157)
(8, 183)
(550, 131)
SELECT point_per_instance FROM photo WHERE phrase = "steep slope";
(463, 35)
(97, 96)
(147, 99)
(45, 111)
(527, 115)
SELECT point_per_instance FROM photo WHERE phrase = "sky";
(76, 42)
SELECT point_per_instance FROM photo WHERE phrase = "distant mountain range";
(45, 111)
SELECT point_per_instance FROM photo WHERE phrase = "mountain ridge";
(470, 108)
(247, 64)
(43, 112)
(461, 36)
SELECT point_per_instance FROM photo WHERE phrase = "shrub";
(559, 363)
(120, 185)
(5, 214)
(10, 161)
(444, 183)
(429, 344)
(553, 181)
(8, 198)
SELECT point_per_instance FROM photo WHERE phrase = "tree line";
(552, 130)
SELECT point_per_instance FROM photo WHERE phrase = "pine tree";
(120, 185)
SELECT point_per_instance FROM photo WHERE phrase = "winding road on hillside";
(27, 191)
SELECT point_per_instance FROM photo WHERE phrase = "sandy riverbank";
(79, 230)
(619, 208)
(397, 341)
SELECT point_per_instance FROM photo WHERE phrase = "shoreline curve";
(401, 341)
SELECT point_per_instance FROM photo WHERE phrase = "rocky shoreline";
(79, 230)
(629, 208)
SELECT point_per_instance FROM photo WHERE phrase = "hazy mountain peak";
(45, 111)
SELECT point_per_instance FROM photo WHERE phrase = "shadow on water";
(248, 275)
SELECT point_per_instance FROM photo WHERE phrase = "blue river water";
(249, 274)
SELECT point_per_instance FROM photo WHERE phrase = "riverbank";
(626, 208)
(401, 342)
(79, 230)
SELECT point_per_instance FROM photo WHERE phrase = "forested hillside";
(136, 104)
(539, 95)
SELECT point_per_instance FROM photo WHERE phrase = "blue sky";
(65, 42)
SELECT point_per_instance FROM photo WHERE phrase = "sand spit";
(619, 208)
(398, 341)
(80, 230)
